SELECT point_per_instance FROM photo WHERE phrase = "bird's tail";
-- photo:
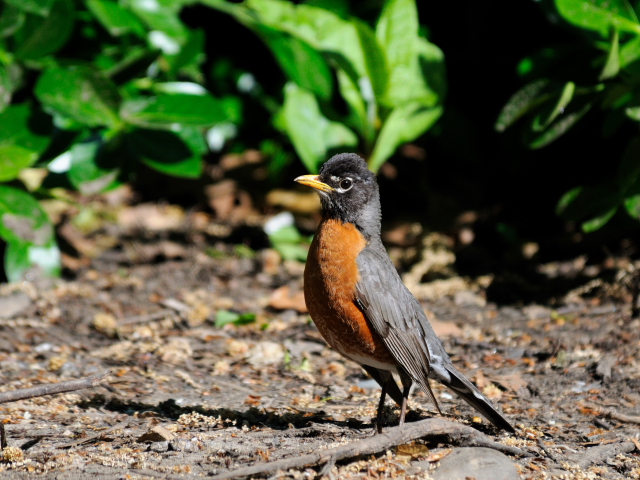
(470, 394)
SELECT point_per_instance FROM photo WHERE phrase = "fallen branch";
(51, 388)
(433, 428)
(602, 452)
(621, 417)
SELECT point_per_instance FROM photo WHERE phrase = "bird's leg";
(385, 376)
(406, 390)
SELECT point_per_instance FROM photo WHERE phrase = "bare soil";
(238, 395)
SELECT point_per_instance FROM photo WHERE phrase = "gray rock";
(477, 463)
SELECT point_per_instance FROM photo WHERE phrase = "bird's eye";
(346, 184)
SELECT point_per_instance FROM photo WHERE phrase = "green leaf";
(88, 172)
(167, 152)
(357, 118)
(116, 19)
(374, 60)
(612, 64)
(567, 199)
(291, 53)
(80, 93)
(20, 146)
(164, 111)
(191, 53)
(598, 222)
(162, 16)
(20, 257)
(632, 206)
(311, 133)
(50, 33)
(11, 20)
(600, 15)
(559, 128)
(10, 77)
(522, 102)
(224, 317)
(397, 32)
(22, 220)
(39, 7)
(630, 56)
(403, 125)
(540, 122)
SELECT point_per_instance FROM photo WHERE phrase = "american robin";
(358, 301)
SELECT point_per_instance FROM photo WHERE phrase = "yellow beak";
(313, 181)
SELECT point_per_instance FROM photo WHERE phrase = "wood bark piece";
(602, 452)
(621, 417)
(432, 428)
(51, 388)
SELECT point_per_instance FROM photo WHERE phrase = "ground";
(152, 309)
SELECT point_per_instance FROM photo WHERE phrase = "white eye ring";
(345, 184)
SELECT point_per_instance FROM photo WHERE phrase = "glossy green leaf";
(165, 111)
(544, 119)
(20, 258)
(89, 172)
(522, 102)
(633, 113)
(559, 127)
(20, 146)
(22, 220)
(166, 152)
(311, 133)
(375, 62)
(51, 32)
(162, 16)
(403, 125)
(80, 93)
(39, 7)
(630, 56)
(632, 206)
(397, 31)
(598, 222)
(600, 15)
(11, 19)
(115, 18)
(567, 199)
(612, 63)
(291, 53)
(358, 118)
(224, 317)
(191, 53)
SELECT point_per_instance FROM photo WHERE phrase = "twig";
(546, 451)
(145, 318)
(51, 388)
(607, 412)
(597, 454)
(95, 437)
(3, 437)
(433, 428)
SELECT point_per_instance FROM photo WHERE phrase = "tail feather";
(470, 394)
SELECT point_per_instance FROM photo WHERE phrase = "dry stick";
(444, 430)
(145, 318)
(621, 417)
(51, 388)
(602, 452)
(3, 437)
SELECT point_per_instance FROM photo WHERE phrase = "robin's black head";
(348, 192)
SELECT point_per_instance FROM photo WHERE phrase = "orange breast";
(330, 278)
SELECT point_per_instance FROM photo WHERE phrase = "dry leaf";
(412, 450)
(513, 382)
(281, 299)
(156, 434)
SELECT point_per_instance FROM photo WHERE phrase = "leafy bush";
(563, 91)
(87, 91)
(391, 78)
(90, 90)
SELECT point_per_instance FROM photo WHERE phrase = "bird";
(359, 303)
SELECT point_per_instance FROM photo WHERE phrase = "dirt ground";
(152, 311)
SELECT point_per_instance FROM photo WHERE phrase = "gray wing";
(399, 319)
